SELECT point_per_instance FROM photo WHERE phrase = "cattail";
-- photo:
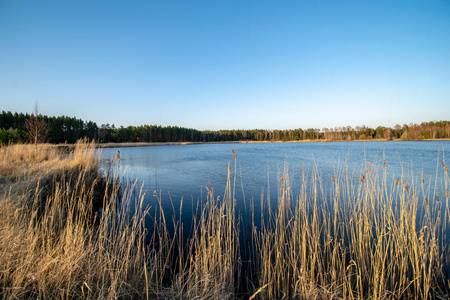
(445, 167)
(332, 178)
(397, 182)
(384, 164)
(210, 190)
(426, 201)
(423, 180)
(234, 154)
(437, 199)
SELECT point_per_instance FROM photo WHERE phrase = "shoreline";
(148, 144)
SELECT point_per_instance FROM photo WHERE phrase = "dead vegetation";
(365, 238)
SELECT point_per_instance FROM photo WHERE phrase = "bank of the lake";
(146, 144)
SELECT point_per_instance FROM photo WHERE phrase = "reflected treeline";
(69, 129)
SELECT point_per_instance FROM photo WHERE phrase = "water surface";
(184, 171)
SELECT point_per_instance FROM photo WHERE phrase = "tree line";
(19, 127)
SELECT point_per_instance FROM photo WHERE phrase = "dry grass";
(52, 243)
(362, 240)
(17, 161)
(365, 238)
(211, 267)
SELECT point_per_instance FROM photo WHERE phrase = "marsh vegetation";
(70, 230)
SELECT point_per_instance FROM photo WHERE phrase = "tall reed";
(366, 239)
(209, 266)
(54, 245)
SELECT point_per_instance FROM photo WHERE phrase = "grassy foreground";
(368, 238)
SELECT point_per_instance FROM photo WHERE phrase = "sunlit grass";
(364, 240)
(370, 237)
(52, 243)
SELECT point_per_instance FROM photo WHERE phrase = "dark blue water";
(184, 171)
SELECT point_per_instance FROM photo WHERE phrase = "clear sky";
(228, 64)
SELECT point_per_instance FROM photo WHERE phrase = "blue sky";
(228, 64)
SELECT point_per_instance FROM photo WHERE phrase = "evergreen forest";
(18, 128)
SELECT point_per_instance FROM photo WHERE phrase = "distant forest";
(15, 127)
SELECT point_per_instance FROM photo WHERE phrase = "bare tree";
(388, 134)
(325, 133)
(36, 127)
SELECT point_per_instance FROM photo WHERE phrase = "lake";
(184, 171)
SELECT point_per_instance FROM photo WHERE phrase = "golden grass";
(55, 244)
(211, 269)
(21, 160)
(364, 238)
(52, 244)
